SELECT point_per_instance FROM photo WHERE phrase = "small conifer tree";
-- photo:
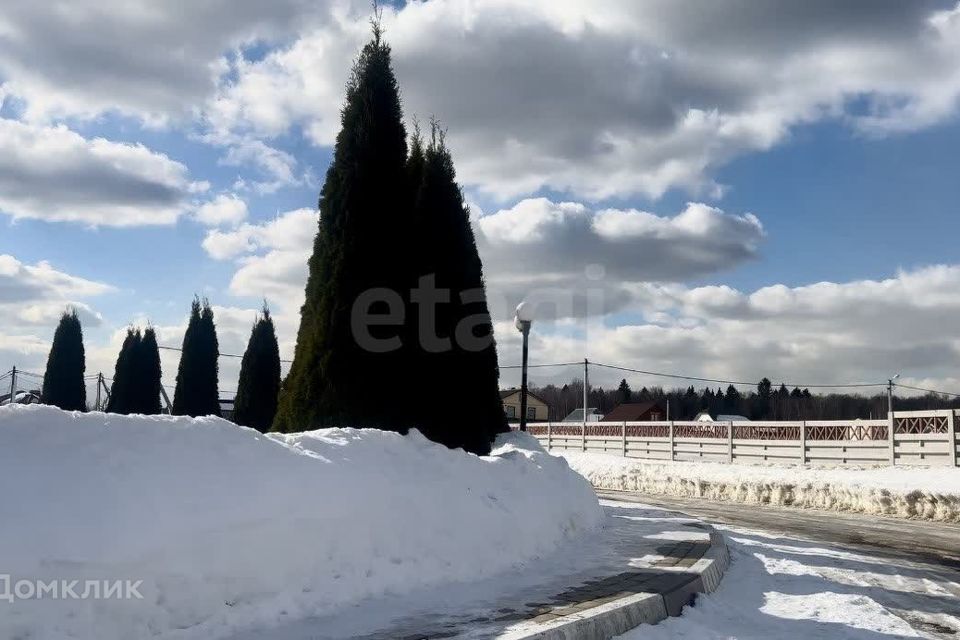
(63, 384)
(259, 386)
(196, 390)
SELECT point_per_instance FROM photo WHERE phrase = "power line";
(736, 382)
(536, 366)
(944, 393)
(225, 355)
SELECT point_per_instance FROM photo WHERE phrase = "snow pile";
(229, 529)
(905, 492)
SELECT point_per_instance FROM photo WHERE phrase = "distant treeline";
(765, 402)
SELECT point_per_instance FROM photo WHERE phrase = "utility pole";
(13, 384)
(99, 382)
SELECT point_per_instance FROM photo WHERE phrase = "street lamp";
(890, 395)
(523, 320)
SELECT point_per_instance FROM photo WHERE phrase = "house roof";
(629, 411)
(506, 393)
(577, 414)
(732, 418)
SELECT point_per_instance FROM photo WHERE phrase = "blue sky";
(778, 199)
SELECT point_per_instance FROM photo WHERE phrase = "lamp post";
(523, 320)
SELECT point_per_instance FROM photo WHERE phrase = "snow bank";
(228, 528)
(905, 492)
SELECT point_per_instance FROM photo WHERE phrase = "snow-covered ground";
(229, 529)
(783, 587)
(907, 492)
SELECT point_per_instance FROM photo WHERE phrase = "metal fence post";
(891, 438)
(623, 433)
(672, 457)
(952, 438)
(730, 441)
(803, 443)
(549, 435)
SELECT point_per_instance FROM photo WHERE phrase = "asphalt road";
(920, 580)
(920, 541)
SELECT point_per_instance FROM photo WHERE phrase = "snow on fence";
(927, 438)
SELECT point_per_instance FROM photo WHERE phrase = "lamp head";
(524, 312)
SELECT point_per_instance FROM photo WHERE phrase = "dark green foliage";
(624, 394)
(124, 375)
(386, 220)
(256, 402)
(136, 378)
(63, 384)
(455, 348)
(362, 243)
(148, 374)
(196, 390)
(762, 407)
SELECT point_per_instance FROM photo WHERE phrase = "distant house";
(537, 409)
(637, 412)
(704, 416)
(22, 397)
(226, 408)
(577, 415)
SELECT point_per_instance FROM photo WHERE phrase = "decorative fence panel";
(923, 438)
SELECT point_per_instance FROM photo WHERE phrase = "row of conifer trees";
(136, 383)
(392, 217)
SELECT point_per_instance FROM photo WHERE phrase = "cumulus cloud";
(23, 284)
(592, 99)
(558, 255)
(152, 60)
(225, 209)
(271, 256)
(32, 297)
(53, 173)
(618, 98)
(827, 332)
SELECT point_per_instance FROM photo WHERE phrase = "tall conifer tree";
(149, 373)
(125, 375)
(459, 356)
(362, 245)
(256, 402)
(63, 384)
(136, 378)
(196, 390)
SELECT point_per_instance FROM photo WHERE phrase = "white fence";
(927, 438)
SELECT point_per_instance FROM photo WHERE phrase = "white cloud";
(151, 60)
(22, 283)
(53, 173)
(225, 209)
(850, 332)
(32, 297)
(559, 254)
(271, 256)
(617, 98)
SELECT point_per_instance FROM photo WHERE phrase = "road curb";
(619, 616)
